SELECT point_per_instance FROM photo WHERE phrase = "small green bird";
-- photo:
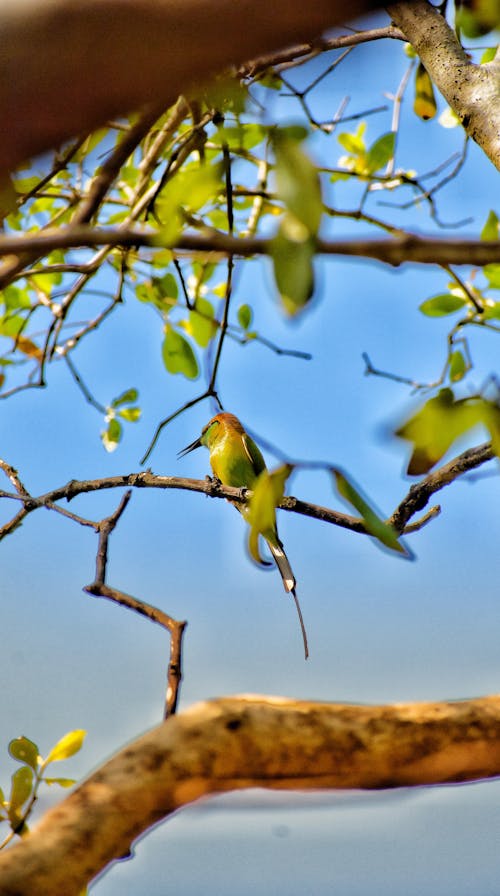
(237, 461)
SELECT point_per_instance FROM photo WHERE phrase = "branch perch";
(241, 742)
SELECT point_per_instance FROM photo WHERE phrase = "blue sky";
(380, 629)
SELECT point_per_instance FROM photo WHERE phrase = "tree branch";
(472, 91)
(416, 499)
(410, 247)
(103, 58)
(237, 743)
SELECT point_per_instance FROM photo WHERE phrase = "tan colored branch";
(394, 251)
(236, 743)
(67, 67)
(472, 91)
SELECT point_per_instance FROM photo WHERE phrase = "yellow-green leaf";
(490, 230)
(383, 532)
(292, 253)
(425, 102)
(21, 787)
(267, 493)
(435, 426)
(178, 355)
(297, 182)
(457, 366)
(441, 305)
(24, 750)
(67, 746)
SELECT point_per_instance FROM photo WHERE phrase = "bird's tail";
(289, 583)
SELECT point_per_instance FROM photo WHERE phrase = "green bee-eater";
(237, 461)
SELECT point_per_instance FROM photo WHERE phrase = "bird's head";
(216, 427)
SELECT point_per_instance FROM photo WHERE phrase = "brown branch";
(89, 72)
(419, 494)
(236, 743)
(416, 499)
(409, 247)
(98, 588)
(174, 626)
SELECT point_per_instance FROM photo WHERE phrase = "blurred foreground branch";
(241, 742)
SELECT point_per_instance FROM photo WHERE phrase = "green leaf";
(435, 426)
(491, 310)
(297, 182)
(457, 366)
(112, 435)
(440, 305)
(178, 355)
(127, 397)
(381, 152)
(14, 297)
(67, 746)
(354, 143)
(24, 750)
(130, 414)
(245, 315)
(267, 493)
(21, 787)
(424, 104)
(201, 324)
(190, 189)
(292, 253)
(375, 525)
(490, 230)
(492, 274)
(488, 55)
(62, 782)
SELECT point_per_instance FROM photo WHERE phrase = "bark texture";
(472, 91)
(250, 741)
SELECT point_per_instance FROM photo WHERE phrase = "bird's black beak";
(191, 447)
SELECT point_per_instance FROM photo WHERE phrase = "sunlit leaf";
(21, 788)
(457, 366)
(292, 253)
(490, 230)
(435, 426)
(67, 746)
(492, 274)
(375, 525)
(24, 750)
(190, 189)
(178, 355)
(439, 306)
(201, 324)
(130, 414)
(477, 17)
(424, 104)
(297, 182)
(127, 397)
(112, 435)
(62, 782)
(354, 143)
(381, 152)
(267, 493)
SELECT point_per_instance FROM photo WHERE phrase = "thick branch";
(472, 91)
(100, 58)
(236, 743)
(394, 251)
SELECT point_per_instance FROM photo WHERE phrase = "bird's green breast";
(230, 461)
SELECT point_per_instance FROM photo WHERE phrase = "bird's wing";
(253, 453)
